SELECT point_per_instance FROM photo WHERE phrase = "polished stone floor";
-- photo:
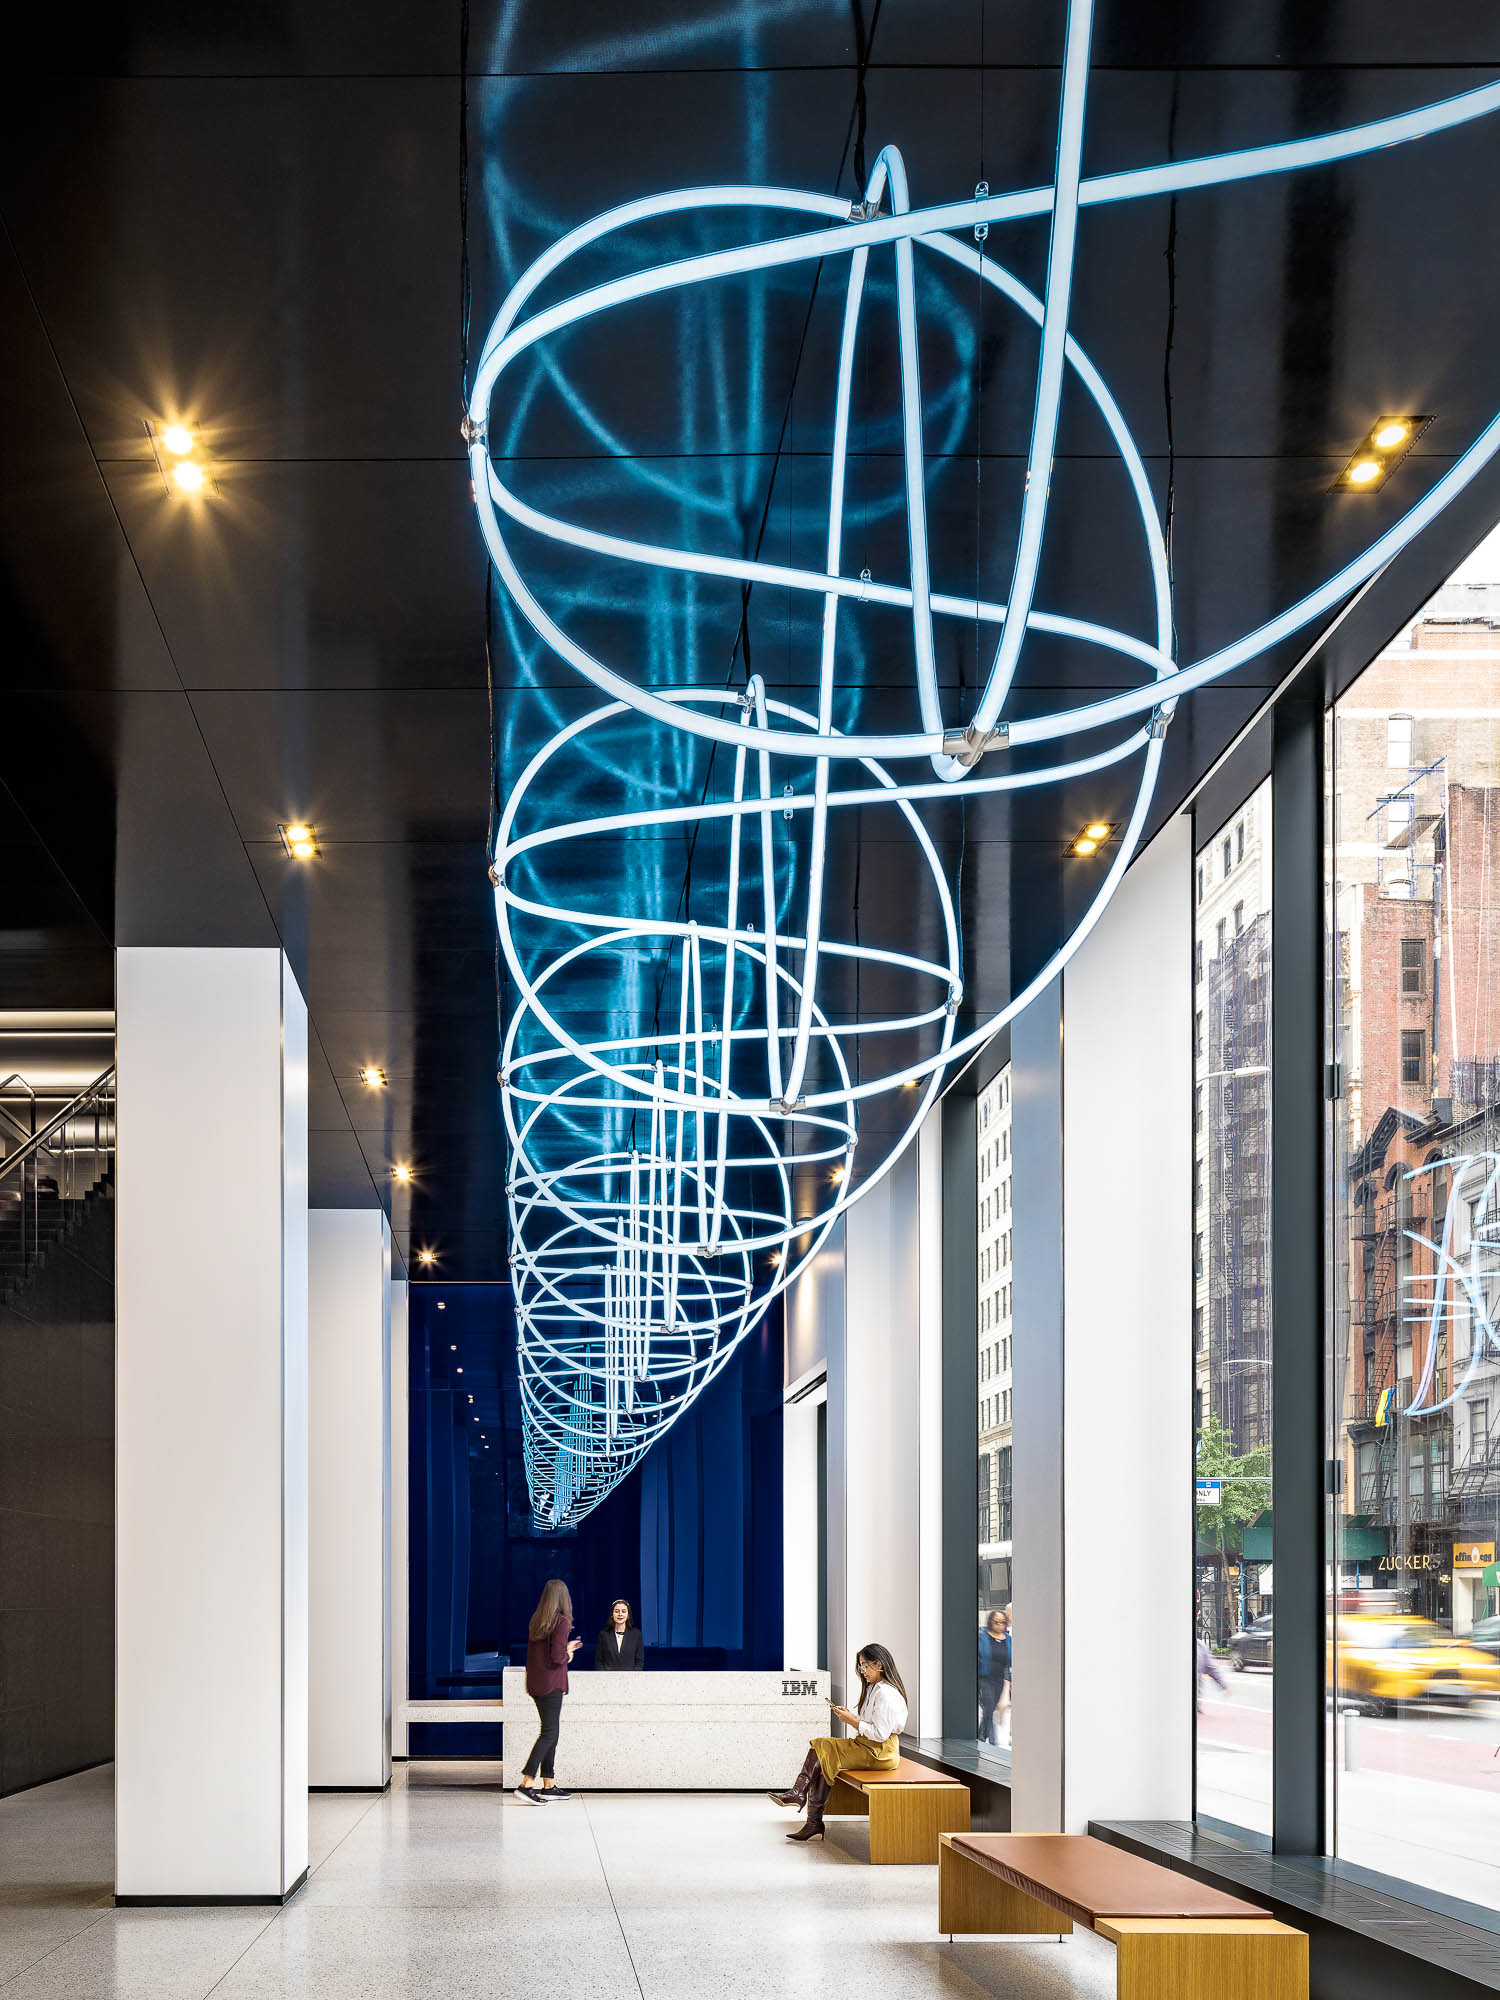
(446, 1889)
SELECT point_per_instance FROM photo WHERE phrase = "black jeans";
(989, 1701)
(544, 1750)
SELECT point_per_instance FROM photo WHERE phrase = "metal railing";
(50, 1171)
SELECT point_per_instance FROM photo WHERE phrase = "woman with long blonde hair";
(548, 1651)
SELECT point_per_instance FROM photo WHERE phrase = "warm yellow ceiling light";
(301, 842)
(187, 476)
(426, 1257)
(1083, 845)
(178, 439)
(401, 1173)
(1385, 445)
(372, 1076)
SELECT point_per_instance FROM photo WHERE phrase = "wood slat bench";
(907, 1806)
(1174, 1938)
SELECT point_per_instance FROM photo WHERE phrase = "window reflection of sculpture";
(641, 1273)
(1462, 1283)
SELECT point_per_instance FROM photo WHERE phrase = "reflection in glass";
(1232, 1315)
(1414, 1650)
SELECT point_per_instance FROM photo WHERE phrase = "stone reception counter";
(674, 1732)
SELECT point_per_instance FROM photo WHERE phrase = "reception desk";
(671, 1732)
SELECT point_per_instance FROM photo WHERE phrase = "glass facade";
(1414, 1219)
(993, 1332)
(1231, 1192)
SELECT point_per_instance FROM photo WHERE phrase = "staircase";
(52, 1181)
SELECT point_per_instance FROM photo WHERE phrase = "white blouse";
(884, 1713)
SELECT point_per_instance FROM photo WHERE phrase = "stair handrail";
(10, 1119)
(70, 1110)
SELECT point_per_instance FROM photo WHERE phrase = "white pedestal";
(670, 1732)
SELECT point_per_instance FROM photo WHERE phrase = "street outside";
(1417, 1797)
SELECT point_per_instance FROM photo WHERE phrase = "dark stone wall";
(57, 1419)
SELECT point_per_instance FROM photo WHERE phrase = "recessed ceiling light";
(401, 1173)
(453, 1347)
(373, 1076)
(1100, 830)
(837, 1175)
(1387, 442)
(442, 1305)
(300, 841)
(178, 439)
(1084, 846)
(775, 1256)
(188, 476)
(460, 1370)
(426, 1257)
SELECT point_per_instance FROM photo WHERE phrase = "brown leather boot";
(797, 1796)
(817, 1798)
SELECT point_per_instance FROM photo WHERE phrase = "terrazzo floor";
(447, 1889)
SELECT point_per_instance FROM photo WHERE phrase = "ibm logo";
(799, 1687)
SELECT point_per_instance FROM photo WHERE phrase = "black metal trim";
(1298, 1504)
(210, 1902)
(960, 1387)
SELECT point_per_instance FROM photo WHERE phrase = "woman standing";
(620, 1648)
(548, 1651)
(877, 1722)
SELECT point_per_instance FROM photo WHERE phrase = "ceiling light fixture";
(372, 1076)
(178, 439)
(1386, 443)
(1099, 830)
(401, 1173)
(188, 476)
(426, 1257)
(301, 842)
(442, 1305)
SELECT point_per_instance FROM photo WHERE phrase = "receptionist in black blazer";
(620, 1648)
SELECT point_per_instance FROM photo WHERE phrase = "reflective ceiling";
(256, 223)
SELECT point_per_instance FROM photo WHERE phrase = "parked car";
(1384, 1660)
(1252, 1647)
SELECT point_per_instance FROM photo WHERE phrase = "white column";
(881, 1418)
(1127, 1352)
(927, 1704)
(349, 1456)
(211, 1426)
(400, 1585)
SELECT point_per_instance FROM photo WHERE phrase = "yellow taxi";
(1383, 1659)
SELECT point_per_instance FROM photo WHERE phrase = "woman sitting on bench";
(877, 1722)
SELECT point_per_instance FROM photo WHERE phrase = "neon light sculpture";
(1461, 1287)
(639, 1261)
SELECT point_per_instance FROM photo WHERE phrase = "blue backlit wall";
(694, 1540)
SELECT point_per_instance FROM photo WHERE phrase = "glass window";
(1228, 858)
(994, 1540)
(1414, 1205)
(1232, 1340)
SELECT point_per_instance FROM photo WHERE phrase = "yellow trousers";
(854, 1753)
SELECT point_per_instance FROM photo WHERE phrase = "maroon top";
(547, 1660)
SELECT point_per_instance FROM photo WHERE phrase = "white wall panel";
(1127, 1465)
(349, 1348)
(211, 1657)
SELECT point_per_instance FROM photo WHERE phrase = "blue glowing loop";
(653, 1172)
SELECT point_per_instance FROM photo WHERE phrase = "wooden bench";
(1174, 1938)
(907, 1806)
